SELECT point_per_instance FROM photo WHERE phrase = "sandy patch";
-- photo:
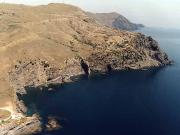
(14, 115)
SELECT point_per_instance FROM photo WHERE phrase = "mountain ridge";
(115, 20)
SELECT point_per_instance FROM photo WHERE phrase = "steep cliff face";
(52, 43)
(115, 20)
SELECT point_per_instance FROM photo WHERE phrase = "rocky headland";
(41, 45)
(115, 20)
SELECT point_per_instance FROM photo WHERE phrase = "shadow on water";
(83, 105)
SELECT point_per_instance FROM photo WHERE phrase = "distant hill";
(115, 20)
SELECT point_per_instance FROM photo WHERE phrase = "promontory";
(50, 44)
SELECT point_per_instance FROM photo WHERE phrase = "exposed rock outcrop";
(52, 124)
(23, 126)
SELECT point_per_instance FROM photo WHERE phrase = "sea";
(141, 102)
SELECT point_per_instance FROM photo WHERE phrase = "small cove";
(125, 102)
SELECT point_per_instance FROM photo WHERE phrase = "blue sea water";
(121, 103)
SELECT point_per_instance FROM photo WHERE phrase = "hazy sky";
(157, 13)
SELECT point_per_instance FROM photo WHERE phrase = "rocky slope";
(115, 20)
(50, 44)
(29, 125)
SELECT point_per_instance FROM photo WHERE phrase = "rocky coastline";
(83, 47)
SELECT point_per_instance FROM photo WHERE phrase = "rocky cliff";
(51, 43)
(25, 126)
(115, 20)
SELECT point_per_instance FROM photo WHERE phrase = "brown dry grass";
(34, 32)
(54, 32)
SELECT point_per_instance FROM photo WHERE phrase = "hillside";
(115, 20)
(52, 43)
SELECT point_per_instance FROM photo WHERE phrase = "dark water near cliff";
(121, 103)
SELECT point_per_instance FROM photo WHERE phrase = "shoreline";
(71, 50)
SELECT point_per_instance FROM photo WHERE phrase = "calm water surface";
(121, 103)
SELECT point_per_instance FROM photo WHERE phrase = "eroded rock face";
(139, 53)
(31, 72)
(36, 72)
(26, 126)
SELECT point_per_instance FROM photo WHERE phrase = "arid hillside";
(40, 44)
(51, 43)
